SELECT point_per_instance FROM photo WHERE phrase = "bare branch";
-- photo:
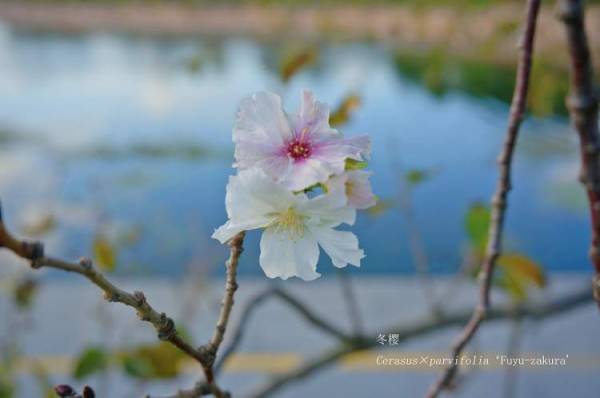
(419, 329)
(286, 298)
(164, 325)
(499, 200)
(583, 108)
(211, 348)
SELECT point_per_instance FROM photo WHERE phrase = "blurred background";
(115, 142)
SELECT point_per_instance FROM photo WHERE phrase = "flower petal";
(252, 195)
(282, 257)
(338, 150)
(329, 208)
(260, 133)
(341, 246)
(356, 186)
(306, 173)
(312, 121)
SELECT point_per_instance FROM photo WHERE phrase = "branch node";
(167, 329)
(86, 263)
(140, 298)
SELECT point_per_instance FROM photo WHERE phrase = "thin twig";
(499, 200)
(164, 325)
(211, 348)
(583, 108)
(540, 311)
(301, 308)
(349, 295)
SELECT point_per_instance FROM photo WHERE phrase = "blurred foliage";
(441, 73)
(92, 360)
(342, 113)
(24, 293)
(175, 150)
(413, 3)
(352, 164)
(295, 61)
(152, 361)
(477, 224)
(414, 177)
(515, 272)
(105, 254)
(41, 226)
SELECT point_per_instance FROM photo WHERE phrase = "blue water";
(73, 107)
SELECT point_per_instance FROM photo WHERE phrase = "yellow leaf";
(523, 267)
(295, 62)
(342, 114)
(104, 253)
(153, 361)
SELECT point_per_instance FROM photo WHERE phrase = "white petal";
(336, 151)
(341, 246)
(312, 119)
(306, 173)
(356, 186)
(282, 257)
(229, 229)
(252, 195)
(261, 118)
(329, 208)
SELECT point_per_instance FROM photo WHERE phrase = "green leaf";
(477, 223)
(138, 367)
(416, 176)
(295, 62)
(352, 164)
(342, 113)
(104, 253)
(91, 360)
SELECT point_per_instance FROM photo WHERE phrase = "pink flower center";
(298, 149)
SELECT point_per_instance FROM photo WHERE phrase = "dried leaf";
(382, 206)
(343, 112)
(523, 267)
(296, 62)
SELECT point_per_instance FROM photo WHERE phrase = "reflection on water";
(128, 139)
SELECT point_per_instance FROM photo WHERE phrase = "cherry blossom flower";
(294, 225)
(357, 187)
(298, 150)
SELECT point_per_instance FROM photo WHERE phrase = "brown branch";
(165, 327)
(583, 108)
(541, 311)
(211, 348)
(499, 200)
(288, 299)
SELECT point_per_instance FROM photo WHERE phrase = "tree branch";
(164, 325)
(419, 329)
(211, 348)
(499, 200)
(583, 108)
(288, 299)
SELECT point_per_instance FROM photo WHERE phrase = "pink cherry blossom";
(297, 150)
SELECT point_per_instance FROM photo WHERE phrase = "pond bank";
(489, 33)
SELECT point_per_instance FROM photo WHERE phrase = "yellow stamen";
(292, 223)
